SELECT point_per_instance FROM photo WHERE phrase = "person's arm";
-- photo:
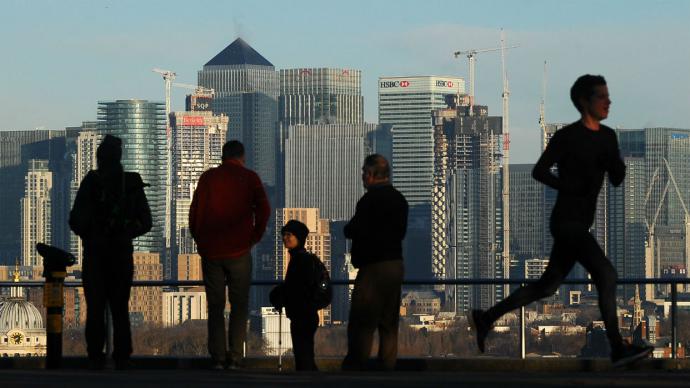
(542, 170)
(401, 223)
(358, 221)
(262, 210)
(80, 215)
(614, 164)
(142, 212)
(195, 210)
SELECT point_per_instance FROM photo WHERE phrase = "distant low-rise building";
(182, 306)
(275, 331)
(189, 267)
(421, 302)
(146, 301)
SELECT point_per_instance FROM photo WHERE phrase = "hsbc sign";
(394, 84)
(192, 120)
(446, 84)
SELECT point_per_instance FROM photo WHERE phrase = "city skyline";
(127, 39)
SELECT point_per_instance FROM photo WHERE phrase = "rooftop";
(238, 52)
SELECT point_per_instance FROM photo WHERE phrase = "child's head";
(294, 234)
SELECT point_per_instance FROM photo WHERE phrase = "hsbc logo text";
(447, 84)
(394, 84)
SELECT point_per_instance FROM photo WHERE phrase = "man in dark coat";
(295, 295)
(109, 211)
(376, 230)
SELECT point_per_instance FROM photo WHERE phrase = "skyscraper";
(198, 139)
(323, 166)
(407, 104)
(649, 211)
(246, 90)
(16, 149)
(84, 160)
(469, 149)
(36, 211)
(526, 217)
(627, 230)
(141, 126)
(320, 96)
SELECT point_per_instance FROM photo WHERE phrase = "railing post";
(522, 330)
(674, 332)
(108, 332)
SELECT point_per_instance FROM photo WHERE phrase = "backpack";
(321, 288)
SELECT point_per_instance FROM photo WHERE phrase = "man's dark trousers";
(236, 274)
(107, 278)
(375, 305)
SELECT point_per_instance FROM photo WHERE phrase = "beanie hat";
(297, 229)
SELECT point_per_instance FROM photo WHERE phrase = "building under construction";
(467, 209)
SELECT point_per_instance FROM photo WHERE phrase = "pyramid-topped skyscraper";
(246, 89)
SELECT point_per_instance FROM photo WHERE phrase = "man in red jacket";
(227, 217)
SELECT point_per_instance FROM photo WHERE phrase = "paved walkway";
(75, 378)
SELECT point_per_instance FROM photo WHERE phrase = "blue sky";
(61, 57)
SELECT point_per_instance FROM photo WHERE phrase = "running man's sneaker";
(628, 354)
(481, 328)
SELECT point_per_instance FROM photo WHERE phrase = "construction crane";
(506, 161)
(197, 88)
(542, 109)
(471, 54)
(168, 77)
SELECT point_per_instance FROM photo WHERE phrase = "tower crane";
(168, 77)
(542, 109)
(471, 54)
(506, 161)
(197, 88)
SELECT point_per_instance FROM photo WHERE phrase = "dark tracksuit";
(108, 267)
(376, 230)
(582, 157)
(303, 315)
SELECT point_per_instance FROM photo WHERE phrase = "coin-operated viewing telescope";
(55, 263)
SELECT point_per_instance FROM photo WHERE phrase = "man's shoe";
(217, 365)
(234, 365)
(481, 328)
(628, 354)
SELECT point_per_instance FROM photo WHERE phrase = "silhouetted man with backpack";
(109, 211)
(376, 230)
(582, 151)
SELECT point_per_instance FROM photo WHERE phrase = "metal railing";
(430, 282)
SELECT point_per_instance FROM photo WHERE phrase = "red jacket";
(229, 211)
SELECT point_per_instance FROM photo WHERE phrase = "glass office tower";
(141, 126)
